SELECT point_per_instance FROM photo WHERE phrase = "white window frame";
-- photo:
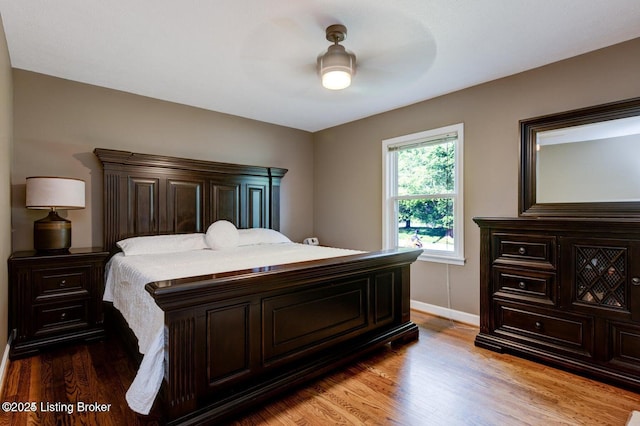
(389, 184)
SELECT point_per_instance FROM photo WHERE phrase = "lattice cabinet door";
(599, 274)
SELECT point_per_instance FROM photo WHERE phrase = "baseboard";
(441, 311)
(4, 363)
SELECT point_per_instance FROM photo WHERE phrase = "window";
(423, 202)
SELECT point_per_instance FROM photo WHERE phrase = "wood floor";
(440, 380)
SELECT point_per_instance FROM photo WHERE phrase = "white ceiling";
(256, 58)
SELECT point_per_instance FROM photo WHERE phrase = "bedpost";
(275, 175)
(180, 370)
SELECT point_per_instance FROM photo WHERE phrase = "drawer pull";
(63, 316)
(635, 281)
(538, 325)
(63, 283)
(522, 250)
(522, 285)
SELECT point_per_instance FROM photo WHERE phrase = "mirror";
(582, 163)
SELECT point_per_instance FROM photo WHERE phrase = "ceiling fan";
(388, 62)
(336, 66)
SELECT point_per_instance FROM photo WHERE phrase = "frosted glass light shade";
(55, 193)
(336, 80)
(336, 67)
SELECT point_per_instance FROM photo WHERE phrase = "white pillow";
(154, 244)
(253, 236)
(222, 234)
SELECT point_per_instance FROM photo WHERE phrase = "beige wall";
(6, 141)
(58, 123)
(348, 159)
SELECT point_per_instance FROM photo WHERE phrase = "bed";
(233, 339)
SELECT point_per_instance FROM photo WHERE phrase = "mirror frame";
(529, 129)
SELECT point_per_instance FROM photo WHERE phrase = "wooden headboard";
(152, 194)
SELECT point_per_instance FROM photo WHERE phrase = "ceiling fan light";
(336, 80)
(336, 67)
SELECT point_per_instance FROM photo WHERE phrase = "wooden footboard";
(237, 339)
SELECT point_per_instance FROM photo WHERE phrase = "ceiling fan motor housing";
(336, 33)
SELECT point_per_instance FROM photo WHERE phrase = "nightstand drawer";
(526, 249)
(54, 318)
(52, 282)
(569, 332)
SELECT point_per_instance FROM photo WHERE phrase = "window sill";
(426, 257)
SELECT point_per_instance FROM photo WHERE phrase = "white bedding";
(126, 277)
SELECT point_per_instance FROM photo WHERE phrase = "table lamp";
(53, 233)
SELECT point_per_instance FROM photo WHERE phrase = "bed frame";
(236, 339)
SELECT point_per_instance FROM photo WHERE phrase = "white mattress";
(126, 277)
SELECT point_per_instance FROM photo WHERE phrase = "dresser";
(563, 291)
(55, 298)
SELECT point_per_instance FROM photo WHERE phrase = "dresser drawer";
(54, 318)
(546, 329)
(53, 282)
(529, 285)
(525, 249)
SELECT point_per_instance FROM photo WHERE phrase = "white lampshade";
(55, 193)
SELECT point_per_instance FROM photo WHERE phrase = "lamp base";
(52, 234)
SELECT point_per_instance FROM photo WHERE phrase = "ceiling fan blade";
(404, 59)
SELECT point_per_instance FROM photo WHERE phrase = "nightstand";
(55, 298)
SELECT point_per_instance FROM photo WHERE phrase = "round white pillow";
(222, 234)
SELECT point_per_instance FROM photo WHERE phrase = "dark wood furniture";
(153, 194)
(563, 291)
(236, 339)
(561, 283)
(55, 298)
